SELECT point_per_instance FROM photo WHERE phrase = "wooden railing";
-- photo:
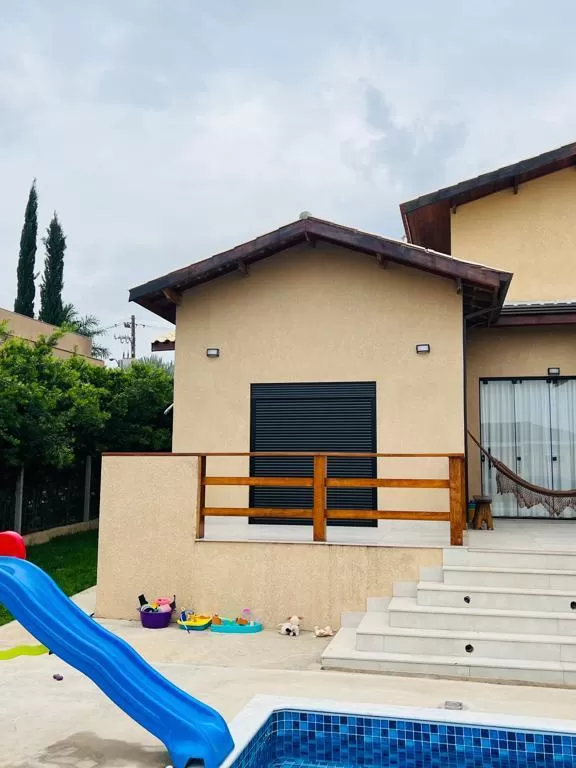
(319, 482)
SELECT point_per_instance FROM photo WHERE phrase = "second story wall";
(532, 234)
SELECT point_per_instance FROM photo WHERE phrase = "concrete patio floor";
(51, 724)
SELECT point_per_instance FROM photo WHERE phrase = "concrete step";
(406, 612)
(502, 598)
(341, 654)
(374, 633)
(510, 558)
(496, 576)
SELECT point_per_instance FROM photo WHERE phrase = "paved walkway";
(71, 724)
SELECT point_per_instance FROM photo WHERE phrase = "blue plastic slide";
(193, 733)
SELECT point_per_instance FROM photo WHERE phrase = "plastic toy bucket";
(155, 620)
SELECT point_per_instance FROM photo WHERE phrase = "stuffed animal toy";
(326, 632)
(291, 626)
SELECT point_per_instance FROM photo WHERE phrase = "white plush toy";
(291, 626)
(326, 632)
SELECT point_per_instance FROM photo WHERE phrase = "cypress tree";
(51, 307)
(24, 303)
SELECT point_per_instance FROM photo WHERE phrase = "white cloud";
(164, 132)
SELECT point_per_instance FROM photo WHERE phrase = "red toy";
(12, 545)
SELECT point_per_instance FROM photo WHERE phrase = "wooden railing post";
(457, 500)
(201, 500)
(319, 511)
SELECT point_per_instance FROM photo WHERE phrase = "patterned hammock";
(527, 494)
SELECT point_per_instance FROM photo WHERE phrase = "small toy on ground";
(59, 678)
(291, 626)
(246, 624)
(326, 632)
(192, 621)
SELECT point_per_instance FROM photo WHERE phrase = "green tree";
(85, 325)
(51, 306)
(46, 405)
(54, 412)
(26, 291)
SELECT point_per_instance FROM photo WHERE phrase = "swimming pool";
(297, 736)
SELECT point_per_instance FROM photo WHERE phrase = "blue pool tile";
(291, 739)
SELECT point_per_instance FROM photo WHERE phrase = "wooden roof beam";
(173, 296)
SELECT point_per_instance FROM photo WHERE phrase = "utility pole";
(133, 337)
(129, 338)
(131, 324)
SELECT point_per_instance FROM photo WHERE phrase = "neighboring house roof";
(427, 218)
(483, 288)
(166, 342)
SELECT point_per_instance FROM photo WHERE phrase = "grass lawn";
(70, 560)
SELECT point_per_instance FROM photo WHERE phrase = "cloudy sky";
(163, 131)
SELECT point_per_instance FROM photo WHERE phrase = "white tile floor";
(546, 534)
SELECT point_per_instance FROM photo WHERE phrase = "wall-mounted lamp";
(212, 352)
(422, 349)
(553, 371)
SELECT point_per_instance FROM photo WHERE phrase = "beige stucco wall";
(27, 328)
(147, 530)
(147, 517)
(509, 353)
(531, 234)
(323, 314)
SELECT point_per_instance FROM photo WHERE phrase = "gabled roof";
(427, 218)
(484, 288)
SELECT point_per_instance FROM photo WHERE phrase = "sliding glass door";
(530, 425)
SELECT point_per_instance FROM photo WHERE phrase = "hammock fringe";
(527, 494)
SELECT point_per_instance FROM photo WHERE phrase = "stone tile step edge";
(378, 624)
(409, 605)
(508, 551)
(435, 586)
(498, 569)
(342, 647)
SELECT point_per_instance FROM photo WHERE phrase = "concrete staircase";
(485, 615)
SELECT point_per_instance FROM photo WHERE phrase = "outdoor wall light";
(422, 349)
(212, 352)
(553, 371)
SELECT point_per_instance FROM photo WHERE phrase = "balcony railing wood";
(320, 483)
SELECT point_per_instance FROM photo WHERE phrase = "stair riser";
(496, 600)
(541, 677)
(440, 646)
(503, 579)
(539, 560)
(472, 623)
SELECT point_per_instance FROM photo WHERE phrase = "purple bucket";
(155, 620)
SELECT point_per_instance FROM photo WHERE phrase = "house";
(29, 329)
(319, 339)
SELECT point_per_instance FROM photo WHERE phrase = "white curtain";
(533, 449)
(497, 432)
(530, 425)
(563, 432)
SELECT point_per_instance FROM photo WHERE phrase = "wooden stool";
(483, 514)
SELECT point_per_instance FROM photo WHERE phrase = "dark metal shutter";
(321, 417)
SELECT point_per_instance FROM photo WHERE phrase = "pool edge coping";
(259, 708)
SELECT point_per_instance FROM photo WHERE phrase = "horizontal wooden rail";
(290, 482)
(384, 514)
(257, 512)
(373, 482)
(320, 484)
